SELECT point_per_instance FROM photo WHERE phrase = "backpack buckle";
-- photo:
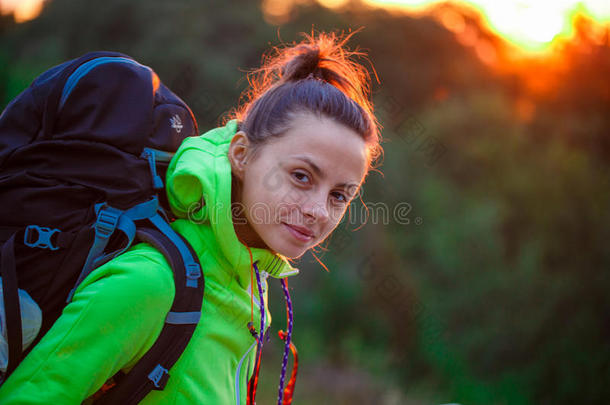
(107, 220)
(43, 237)
(159, 377)
(193, 272)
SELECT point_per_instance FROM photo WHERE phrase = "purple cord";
(287, 341)
(261, 303)
(259, 338)
(288, 337)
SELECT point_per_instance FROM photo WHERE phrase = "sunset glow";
(530, 25)
(23, 10)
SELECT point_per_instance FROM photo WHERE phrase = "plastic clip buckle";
(159, 377)
(43, 239)
(193, 272)
(107, 220)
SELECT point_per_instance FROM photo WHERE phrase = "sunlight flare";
(530, 25)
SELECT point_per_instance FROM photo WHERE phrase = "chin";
(291, 252)
(282, 242)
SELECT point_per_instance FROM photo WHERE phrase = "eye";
(301, 177)
(339, 197)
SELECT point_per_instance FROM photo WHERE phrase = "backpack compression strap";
(152, 371)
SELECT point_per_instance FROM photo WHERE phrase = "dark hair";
(316, 75)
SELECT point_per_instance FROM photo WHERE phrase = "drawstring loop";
(253, 383)
(286, 394)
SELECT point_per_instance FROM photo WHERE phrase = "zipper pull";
(252, 330)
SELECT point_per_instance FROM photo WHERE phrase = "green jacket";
(119, 309)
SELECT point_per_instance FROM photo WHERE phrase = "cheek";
(262, 205)
(337, 214)
(251, 201)
(270, 179)
(259, 181)
(283, 208)
(335, 217)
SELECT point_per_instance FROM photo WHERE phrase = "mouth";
(299, 232)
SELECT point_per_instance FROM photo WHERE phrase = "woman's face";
(296, 187)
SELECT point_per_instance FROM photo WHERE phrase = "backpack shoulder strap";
(152, 371)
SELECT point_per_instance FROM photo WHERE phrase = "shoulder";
(142, 271)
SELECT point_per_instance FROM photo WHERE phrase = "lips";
(299, 232)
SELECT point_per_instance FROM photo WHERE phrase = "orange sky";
(529, 25)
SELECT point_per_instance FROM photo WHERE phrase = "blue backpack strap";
(153, 156)
(152, 371)
(108, 220)
(89, 63)
(53, 100)
(192, 272)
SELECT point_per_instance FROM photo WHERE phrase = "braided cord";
(287, 342)
(259, 340)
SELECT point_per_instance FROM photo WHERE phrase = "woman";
(264, 188)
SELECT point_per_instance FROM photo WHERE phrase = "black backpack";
(83, 156)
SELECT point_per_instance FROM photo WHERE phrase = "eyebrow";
(320, 173)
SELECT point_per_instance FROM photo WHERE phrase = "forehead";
(338, 151)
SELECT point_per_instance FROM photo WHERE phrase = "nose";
(315, 211)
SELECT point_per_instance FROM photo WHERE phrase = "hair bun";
(324, 57)
(303, 65)
(280, 85)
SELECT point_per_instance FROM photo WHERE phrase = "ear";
(239, 152)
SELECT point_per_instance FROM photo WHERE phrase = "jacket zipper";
(238, 372)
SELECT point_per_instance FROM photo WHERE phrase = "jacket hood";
(199, 190)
